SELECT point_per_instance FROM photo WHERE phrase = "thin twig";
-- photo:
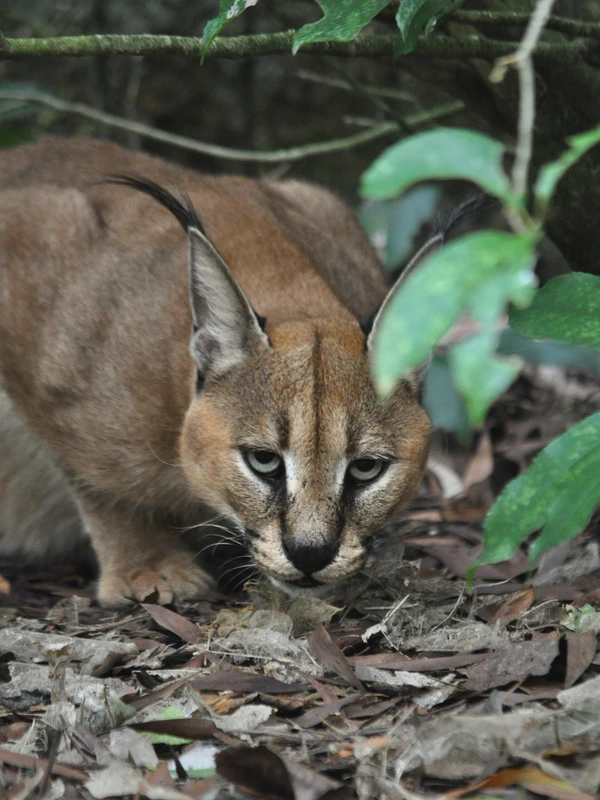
(521, 59)
(566, 25)
(269, 157)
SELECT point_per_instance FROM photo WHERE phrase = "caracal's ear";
(442, 229)
(226, 327)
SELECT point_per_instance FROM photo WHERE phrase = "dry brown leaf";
(434, 664)
(513, 607)
(316, 715)
(329, 655)
(238, 681)
(482, 463)
(515, 664)
(529, 777)
(581, 649)
(182, 728)
(256, 770)
(173, 622)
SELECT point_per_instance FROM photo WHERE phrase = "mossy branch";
(263, 44)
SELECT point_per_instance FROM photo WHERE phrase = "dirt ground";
(403, 685)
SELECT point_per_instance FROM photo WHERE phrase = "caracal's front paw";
(175, 578)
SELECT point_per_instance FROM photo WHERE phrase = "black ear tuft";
(262, 321)
(182, 209)
(367, 325)
(448, 222)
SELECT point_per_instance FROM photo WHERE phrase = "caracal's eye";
(264, 463)
(365, 470)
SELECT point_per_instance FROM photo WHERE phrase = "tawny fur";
(95, 326)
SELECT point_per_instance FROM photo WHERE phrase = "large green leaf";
(557, 494)
(551, 173)
(228, 10)
(415, 15)
(442, 153)
(566, 309)
(549, 352)
(478, 274)
(342, 21)
(443, 404)
(479, 374)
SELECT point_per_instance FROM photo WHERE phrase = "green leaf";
(171, 712)
(479, 273)
(557, 494)
(480, 387)
(443, 404)
(566, 309)
(343, 20)
(548, 352)
(415, 15)
(551, 173)
(228, 10)
(442, 153)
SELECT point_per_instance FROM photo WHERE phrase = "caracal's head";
(286, 435)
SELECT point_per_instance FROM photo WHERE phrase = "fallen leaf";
(581, 649)
(173, 622)
(434, 664)
(515, 664)
(22, 761)
(316, 715)
(257, 770)
(177, 731)
(329, 655)
(513, 607)
(309, 612)
(238, 681)
(529, 777)
(482, 463)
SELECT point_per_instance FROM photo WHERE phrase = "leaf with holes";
(440, 154)
(228, 11)
(566, 309)
(342, 21)
(551, 173)
(557, 494)
(478, 274)
(414, 16)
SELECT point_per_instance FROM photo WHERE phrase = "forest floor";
(404, 686)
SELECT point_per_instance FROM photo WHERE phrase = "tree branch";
(262, 44)
(571, 27)
(264, 156)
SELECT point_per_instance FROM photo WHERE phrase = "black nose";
(309, 558)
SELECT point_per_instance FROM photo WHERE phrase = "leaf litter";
(403, 685)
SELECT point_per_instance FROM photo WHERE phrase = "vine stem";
(522, 60)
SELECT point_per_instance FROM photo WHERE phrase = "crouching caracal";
(154, 379)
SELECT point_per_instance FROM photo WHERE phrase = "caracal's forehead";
(314, 394)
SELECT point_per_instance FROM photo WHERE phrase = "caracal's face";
(296, 448)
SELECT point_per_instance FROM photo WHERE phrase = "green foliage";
(551, 173)
(394, 224)
(558, 494)
(443, 404)
(549, 353)
(343, 20)
(228, 10)
(414, 16)
(439, 154)
(566, 309)
(479, 274)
